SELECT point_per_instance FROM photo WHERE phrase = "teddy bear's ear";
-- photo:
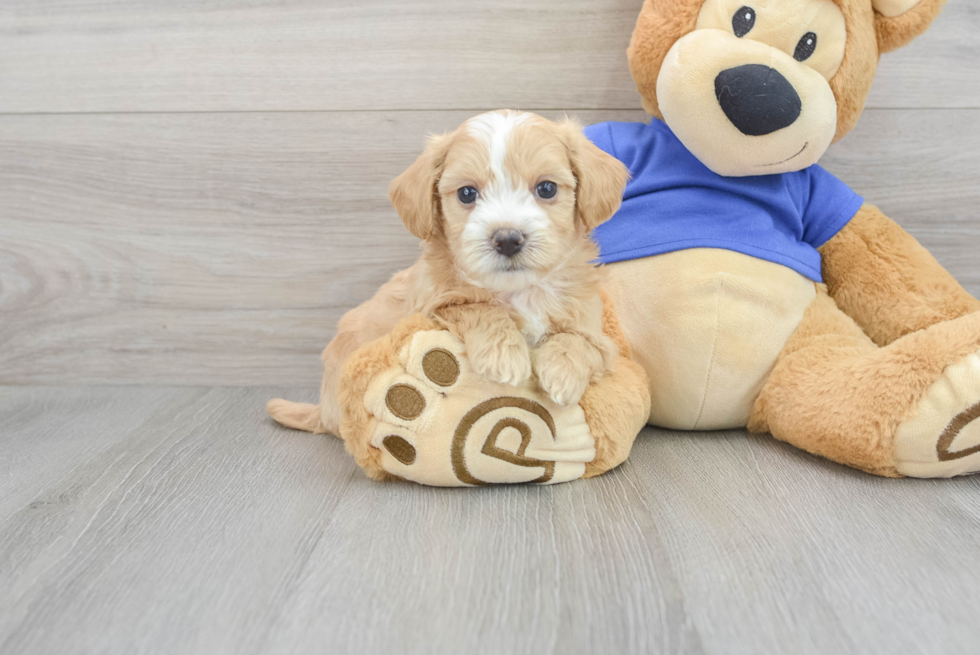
(898, 22)
(413, 193)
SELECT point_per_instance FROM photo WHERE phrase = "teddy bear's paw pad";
(942, 439)
(438, 422)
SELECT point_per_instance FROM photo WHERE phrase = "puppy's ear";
(601, 177)
(414, 194)
(898, 22)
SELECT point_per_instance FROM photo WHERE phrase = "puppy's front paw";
(505, 359)
(565, 364)
(562, 380)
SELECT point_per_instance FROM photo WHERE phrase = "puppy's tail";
(299, 416)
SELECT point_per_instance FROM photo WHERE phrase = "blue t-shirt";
(674, 202)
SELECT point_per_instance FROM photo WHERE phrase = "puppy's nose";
(508, 242)
(757, 99)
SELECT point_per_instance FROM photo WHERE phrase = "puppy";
(503, 206)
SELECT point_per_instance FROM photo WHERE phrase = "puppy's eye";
(547, 190)
(467, 195)
(743, 21)
(806, 46)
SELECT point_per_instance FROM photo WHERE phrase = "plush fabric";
(879, 369)
(954, 393)
(662, 22)
(673, 202)
(720, 89)
(835, 393)
(413, 409)
(886, 281)
(618, 405)
(898, 31)
(707, 324)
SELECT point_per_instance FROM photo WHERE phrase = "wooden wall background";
(192, 192)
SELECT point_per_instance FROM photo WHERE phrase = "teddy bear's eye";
(743, 21)
(806, 46)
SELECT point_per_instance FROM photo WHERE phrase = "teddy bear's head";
(755, 87)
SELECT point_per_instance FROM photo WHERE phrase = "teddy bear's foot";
(942, 438)
(437, 422)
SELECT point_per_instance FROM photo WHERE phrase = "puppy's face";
(509, 194)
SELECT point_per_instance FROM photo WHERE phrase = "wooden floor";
(180, 520)
(192, 193)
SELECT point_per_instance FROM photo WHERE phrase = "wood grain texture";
(219, 244)
(222, 248)
(227, 55)
(183, 521)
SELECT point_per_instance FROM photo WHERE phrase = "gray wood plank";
(159, 542)
(221, 55)
(46, 434)
(222, 248)
(210, 530)
(760, 524)
(935, 69)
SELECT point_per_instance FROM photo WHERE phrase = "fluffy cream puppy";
(503, 206)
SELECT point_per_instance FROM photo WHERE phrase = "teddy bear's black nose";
(757, 99)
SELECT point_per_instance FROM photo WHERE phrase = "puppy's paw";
(566, 364)
(559, 376)
(504, 358)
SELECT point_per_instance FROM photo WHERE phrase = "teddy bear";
(757, 290)
(746, 286)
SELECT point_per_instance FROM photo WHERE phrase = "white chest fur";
(532, 308)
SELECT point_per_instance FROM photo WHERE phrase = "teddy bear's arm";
(880, 276)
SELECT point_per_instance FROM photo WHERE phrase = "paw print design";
(438, 422)
(942, 438)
